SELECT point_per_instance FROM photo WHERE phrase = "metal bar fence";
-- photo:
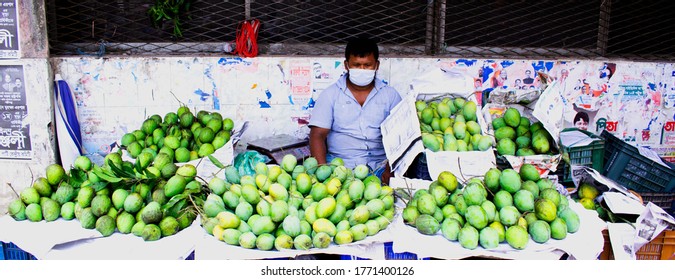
(638, 30)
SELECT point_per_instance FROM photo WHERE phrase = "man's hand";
(317, 143)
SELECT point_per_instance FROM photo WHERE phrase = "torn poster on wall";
(9, 30)
(14, 132)
(301, 81)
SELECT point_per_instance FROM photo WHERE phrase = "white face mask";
(361, 77)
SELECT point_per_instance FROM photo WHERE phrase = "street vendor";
(346, 118)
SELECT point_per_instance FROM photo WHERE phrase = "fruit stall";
(502, 180)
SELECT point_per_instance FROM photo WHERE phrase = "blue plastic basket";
(12, 252)
(422, 169)
(390, 255)
(351, 258)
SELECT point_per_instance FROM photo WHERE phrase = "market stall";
(172, 189)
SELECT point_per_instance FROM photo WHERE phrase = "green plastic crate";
(591, 155)
(625, 165)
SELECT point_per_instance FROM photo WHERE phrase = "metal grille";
(125, 27)
(642, 30)
(516, 28)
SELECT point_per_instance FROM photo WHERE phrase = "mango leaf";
(121, 172)
(76, 177)
(175, 210)
(104, 175)
(129, 171)
(175, 199)
(99, 186)
(199, 201)
(216, 162)
(180, 205)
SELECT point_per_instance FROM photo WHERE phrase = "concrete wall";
(274, 94)
(38, 87)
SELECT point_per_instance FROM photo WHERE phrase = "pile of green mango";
(181, 135)
(451, 125)
(516, 136)
(506, 206)
(151, 202)
(297, 206)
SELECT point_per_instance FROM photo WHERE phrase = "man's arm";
(317, 143)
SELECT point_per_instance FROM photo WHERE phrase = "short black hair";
(581, 116)
(361, 47)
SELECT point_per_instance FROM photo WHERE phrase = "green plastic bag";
(245, 162)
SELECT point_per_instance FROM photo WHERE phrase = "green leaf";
(110, 179)
(181, 204)
(76, 177)
(176, 29)
(124, 172)
(175, 199)
(99, 186)
(104, 175)
(198, 201)
(216, 162)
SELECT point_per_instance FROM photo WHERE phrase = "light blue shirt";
(355, 134)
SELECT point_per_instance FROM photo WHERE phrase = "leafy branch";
(170, 10)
